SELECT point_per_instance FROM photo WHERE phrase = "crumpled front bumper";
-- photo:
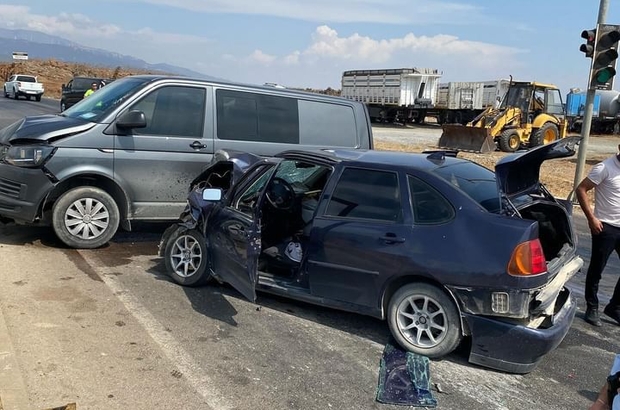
(517, 348)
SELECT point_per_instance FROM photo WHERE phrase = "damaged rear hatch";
(524, 196)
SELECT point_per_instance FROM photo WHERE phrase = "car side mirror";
(212, 194)
(131, 119)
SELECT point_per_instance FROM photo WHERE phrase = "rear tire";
(509, 141)
(544, 135)
(15, 96)
(38, 98)
(186, 257)
(6, 95)
(85, 217)
(424, 319)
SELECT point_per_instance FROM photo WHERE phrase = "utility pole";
(587, 115)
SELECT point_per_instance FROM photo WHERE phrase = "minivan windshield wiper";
(98, 104)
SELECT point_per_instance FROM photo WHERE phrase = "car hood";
(44, 128)
(520, 173)
(228, 167)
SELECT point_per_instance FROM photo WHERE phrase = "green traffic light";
(604, 75)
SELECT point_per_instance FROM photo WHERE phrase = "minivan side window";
(327, 124)
(246, 116)
(366, 194)
(173, 110)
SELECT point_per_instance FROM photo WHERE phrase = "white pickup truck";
(26, 85)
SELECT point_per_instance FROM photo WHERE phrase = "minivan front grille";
(9, 188)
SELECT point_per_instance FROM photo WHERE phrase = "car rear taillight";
(528, 259)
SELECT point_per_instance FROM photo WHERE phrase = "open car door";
(233, 231)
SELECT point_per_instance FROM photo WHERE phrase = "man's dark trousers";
(603, 245)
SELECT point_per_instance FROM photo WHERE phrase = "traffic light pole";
(587, 115)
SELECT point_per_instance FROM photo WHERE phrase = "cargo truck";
(415, 94)
(393, 95)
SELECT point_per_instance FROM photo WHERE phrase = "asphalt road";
(106, 328)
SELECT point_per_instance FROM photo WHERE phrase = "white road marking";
(173, 350)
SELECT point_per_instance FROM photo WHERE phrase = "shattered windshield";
(298, 174)
(104, 100)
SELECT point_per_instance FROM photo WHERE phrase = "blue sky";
(309, 43)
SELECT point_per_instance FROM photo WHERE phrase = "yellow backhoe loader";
(530, 114)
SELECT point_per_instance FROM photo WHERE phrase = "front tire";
(509, 141)
(186, 257)
(424, 320)
(85, 218)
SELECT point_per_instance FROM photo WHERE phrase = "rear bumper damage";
(518, 348)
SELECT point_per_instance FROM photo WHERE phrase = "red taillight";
(528, 259)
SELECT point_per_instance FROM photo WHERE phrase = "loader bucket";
(464, 138)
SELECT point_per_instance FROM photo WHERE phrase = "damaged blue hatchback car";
(440, 247)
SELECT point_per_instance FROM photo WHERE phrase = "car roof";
(428, 160)
(161, 77)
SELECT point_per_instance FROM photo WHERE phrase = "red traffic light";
(589, 35)
(588, 47)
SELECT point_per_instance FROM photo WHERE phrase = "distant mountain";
(44, 46)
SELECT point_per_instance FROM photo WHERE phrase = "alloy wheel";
(186, 256)
(422, 321)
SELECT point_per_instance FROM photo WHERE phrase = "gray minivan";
(130, 150)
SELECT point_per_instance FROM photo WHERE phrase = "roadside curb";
(13, 394)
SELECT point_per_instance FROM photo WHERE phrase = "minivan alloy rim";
(87, 218)
(422, 321)
(186, 256)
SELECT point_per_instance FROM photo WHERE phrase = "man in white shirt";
(604, 223)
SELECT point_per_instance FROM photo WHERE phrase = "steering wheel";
(280, 194)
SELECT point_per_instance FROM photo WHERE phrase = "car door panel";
(358, 236)
(157, 163)
(350, 260)
(233, 237)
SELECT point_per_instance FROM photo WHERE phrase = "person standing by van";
(92, 89)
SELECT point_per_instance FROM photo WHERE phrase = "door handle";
(391, 238)
(197, 145)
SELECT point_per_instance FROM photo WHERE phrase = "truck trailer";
(393, 95)
(415, 94)
(460, 102)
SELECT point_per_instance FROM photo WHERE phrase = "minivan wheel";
(186, 257)
(85, 217)
(424, 320)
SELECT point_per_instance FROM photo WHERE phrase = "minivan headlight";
(28, 155)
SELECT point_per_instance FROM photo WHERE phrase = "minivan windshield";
(104, 100)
